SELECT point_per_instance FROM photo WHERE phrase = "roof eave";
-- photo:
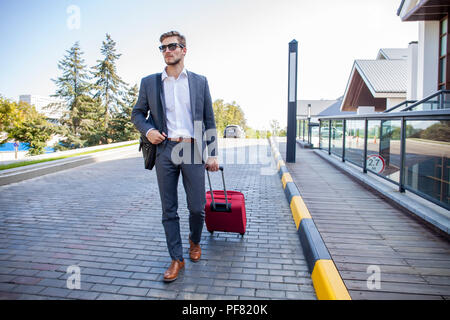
(347, 87)
(390, 94)
(420, 10)
(381, 54)
(400, 7)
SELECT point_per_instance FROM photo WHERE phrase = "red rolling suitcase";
(225, 210)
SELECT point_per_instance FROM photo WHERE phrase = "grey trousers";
(168, 169)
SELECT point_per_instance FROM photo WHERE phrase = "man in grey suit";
(174, 110)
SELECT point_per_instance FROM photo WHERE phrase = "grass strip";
(27, 163)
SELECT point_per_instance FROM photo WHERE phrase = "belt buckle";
(177, 139)
(181, 139)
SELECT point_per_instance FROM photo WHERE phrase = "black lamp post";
(292, 103)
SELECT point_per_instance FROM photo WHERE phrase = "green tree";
(11, 115)
(121, 127)
(235, 115)
(92, 122)
(72, 86)
(108, 84)
(219, 115)
(90, 129)
(438, 132)
(283, 132)
(228, 113)
(23, 123)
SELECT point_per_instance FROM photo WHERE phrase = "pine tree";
(72, 85)
(92, 130)
(122, 129)
(108, 84)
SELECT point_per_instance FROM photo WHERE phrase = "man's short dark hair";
(181, 38)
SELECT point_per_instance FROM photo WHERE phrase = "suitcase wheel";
(211, 232)
(242, 234)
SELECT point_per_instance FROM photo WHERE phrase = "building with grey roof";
(393, 54)
(377, 84)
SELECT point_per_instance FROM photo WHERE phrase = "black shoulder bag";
(148, 148)
(148, 151)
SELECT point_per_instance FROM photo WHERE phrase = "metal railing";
(436, 101)
(410, 148)
(308, 132)
(403, 104)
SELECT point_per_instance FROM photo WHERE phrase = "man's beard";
(174, 62)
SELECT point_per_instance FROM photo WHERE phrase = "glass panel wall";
(302, 134)
(426, 163)
(383, 148)
(337, 134)
(305, 132)
(427, 154)
(354, 141)
(324, 134)
(315, 136)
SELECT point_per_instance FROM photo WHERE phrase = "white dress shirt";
(178, 105)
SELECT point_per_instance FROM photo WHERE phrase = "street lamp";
(292, 103)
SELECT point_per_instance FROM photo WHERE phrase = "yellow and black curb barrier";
(327, 282)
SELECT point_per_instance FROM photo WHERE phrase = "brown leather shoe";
(171, 274)
(195, 252)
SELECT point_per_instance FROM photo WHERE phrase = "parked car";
(233, 131)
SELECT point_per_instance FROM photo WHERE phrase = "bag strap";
(160, 96)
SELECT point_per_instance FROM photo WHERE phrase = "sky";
(241, 46)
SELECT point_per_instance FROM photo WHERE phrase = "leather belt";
(181, 139)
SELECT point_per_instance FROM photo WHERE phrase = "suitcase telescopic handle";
(224, 189)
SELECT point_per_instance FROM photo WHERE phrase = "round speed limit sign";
(376, 163)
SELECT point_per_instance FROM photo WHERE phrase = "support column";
(292, 103)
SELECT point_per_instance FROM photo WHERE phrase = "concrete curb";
(35, 170)
(327, 282)
(432, 214)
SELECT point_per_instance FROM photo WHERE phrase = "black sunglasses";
(171, 46)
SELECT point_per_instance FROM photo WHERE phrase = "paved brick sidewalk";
(106, 218)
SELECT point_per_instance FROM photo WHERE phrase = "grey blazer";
(150, 111)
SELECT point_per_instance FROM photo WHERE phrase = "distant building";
(407, 89)
(334, 109)
(377, 85)
(42, 102)
(317, 106)
(405, 74)
(392, 54)
(308, 113)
